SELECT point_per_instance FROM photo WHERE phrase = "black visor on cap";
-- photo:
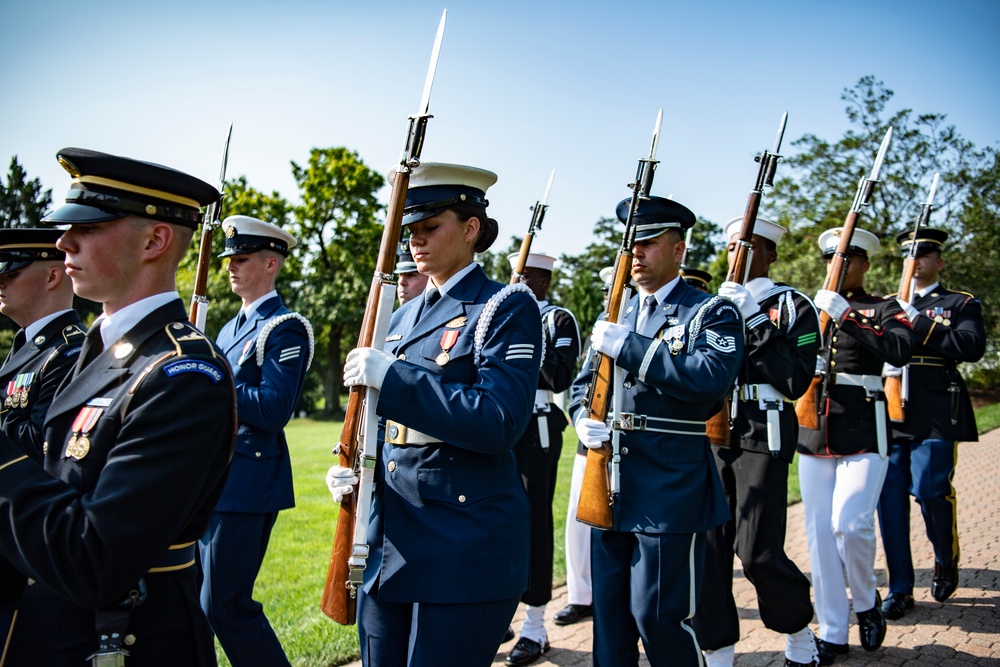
(428, 201)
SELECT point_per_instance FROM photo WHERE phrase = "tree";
(22, 202)
(339, 234)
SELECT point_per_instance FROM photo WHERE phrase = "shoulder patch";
(73, 334)
(175, 368)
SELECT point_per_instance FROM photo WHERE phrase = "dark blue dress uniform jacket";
(86, 530)
(49, 356)
(450, 520)
(949, 331)
(260, 479)
(873, 331)
(669, 483)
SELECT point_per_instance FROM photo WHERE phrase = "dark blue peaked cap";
(108, 187)
(21, 246)
(929, 240)
(655, 216)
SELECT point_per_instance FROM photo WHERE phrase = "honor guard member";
(948, 330)
(782, 338)
(842, 464)
(38, 296)
(410, 283)
(679, 350)
(269, 348)
(137, 440)
(538, 451)
(579, 592)
(696, 278)
(448, 529)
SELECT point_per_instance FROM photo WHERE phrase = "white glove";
(367, 366)
(911, 312)
(741, 296)
(608, 338)
(340, 481)
(832, 303)
(592, 433)
(890, 371)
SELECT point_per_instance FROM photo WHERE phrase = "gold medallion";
(7, 402)
(24, 399)
(71, 445)
(78, 447)
(443, 358)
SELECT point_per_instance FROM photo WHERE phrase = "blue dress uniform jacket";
(159, 414)
(668, 481)
(260, 479)
(950, 331)
(873, 331)
(450, 520)
(31, 376)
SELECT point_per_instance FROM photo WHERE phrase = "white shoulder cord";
(486, 316)
(269, 327)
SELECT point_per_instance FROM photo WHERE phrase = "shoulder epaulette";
(73, 333)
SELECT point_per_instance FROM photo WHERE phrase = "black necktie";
(649, 307)
(241, 319)
(92, 347)
(18, 344)
(430, 298)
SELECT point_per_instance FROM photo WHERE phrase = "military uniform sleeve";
(963, 340)
(167, 461)
(781, 349)
(490, 414)
(702, 370)
(269, 405)
(887, 334)
(578, 390)
(561, 352)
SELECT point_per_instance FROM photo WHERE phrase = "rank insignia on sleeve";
(725, 344)
(519, 351)
(289, 353)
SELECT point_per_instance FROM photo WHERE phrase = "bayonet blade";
(781, 133)
(435, 52)
(881, 155)
(934, 185)
(656, 136)
(225, 159)
(548, 188)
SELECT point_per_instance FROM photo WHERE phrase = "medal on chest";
(79, 443)
(246, 348)
(17, 391)
(448, 340)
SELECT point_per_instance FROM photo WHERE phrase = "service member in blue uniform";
(948, 329)
(696, 278)
(269, 348)
(842, 463)
(36, 293)
(538, 451)
(137, 440)
(679, 350)
(449, 520)
(782, 338)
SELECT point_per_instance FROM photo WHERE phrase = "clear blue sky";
(522, 88)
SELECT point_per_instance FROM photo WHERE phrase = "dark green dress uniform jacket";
(158, 412)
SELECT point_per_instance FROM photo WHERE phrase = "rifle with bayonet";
(897, 387)
(199, 297)
(718, 427)
(599, 488)
(358, 440)
(808, 407)
(538, 215)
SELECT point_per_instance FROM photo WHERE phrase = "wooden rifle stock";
(893, 384)
(595, 503)
(522, 258)
(536, 223)
(199, 296)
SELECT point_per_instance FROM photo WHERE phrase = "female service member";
(449, 519)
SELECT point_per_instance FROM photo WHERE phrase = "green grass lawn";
(291, 580)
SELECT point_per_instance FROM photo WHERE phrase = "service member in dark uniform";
(36, 293)
(782, 339)
(679, 350)
(948, 330)
(137, 440)
(842, 463)
(696, 278)
(269, 348)
(538, 451)
(449, 521)
(410, 283)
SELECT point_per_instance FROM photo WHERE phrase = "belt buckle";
(626, 421)
(396, 433)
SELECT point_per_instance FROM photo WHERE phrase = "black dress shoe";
(525, 652)
(895, 606)
(573, 613)
(507, 636)
(791, 663)
(871, 626)
(828, 651)
(945, 581)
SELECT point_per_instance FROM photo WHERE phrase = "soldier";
(680, 356)
(948, 329)
(448, 529)
(37, 295)
(137, 440)
(411, 283)
(696, 278)
(538, 451)
(269, 349)
(842, 463)
(782, 338)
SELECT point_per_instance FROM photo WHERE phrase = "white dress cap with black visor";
(245, 235)
(20, 246)
(437, 186)
(863, 243)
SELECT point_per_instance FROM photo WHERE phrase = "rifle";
(536, 223)
(358, 440)
(718, 427)
(897, 387)
(807, 408)
(598, 492)
(199, 297)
